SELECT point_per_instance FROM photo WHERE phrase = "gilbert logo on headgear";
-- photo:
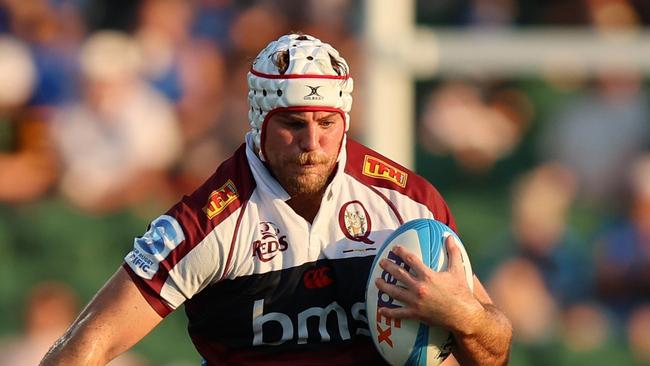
(313, 93)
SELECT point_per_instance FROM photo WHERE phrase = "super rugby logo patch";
(163, 236)
(377, 168)
(220, 199)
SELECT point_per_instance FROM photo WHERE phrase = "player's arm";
(114, 320)
(483, 334)
(485, 339)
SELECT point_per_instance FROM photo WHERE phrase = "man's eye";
(293, 124)
(326, 123)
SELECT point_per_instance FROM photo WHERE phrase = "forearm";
(77, 347)
(484, 339)
(116, 319)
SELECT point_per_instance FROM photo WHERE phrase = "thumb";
(454, 257)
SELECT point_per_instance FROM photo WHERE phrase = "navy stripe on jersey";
(289, 291)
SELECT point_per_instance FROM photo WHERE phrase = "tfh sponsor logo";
(271, 242)
(220, 199)
(386, 301)
(377, 168)
(317, 277)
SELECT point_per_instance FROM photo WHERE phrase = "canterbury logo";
(317, 278)
(377, 168)
(313, 93)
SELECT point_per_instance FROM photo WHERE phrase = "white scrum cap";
(309, 83)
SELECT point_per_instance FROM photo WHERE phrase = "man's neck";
(306, 205)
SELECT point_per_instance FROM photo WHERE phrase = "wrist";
(470, 319)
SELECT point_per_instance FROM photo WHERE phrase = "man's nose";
(310, 138)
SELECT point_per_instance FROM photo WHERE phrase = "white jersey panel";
(408, 208)
(203, 265)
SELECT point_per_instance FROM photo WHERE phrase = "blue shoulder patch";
(163, 236)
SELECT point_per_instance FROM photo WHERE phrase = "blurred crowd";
(140, 107)
(588, 141)
(113, 106)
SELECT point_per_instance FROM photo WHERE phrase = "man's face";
(302, 147)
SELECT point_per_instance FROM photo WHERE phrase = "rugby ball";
(408, 341)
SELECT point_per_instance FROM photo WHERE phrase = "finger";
(454, 257)
(397, 313)
(398, 272)
(398, 293)
(412, 261)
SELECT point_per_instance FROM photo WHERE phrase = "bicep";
(114, 320)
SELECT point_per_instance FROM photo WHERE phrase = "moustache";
(312, 158)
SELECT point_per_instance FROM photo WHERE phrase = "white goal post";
(398, 52)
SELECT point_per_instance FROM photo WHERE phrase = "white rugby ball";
(408, 341)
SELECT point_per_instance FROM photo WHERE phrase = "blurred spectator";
(50, 309)
(53, 34)
(253, 27)
(518, 288)
(27, 165)
(35, 79)
(191, 73)
(213, 19)
(477, 130)
(492, 13)
(638, 329)
(202, 76)
(585, 327)
(548, 273)
(540, 233)
(612, 15)
(162, 30)
(326, 16)
(623, 250)
(118, 141)
(599, 132)
(17, 74)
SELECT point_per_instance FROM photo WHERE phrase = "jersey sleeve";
(174, 259)
(189, 247)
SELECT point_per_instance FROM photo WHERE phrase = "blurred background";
(111, 110)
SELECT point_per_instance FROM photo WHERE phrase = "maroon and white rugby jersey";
(260, 284)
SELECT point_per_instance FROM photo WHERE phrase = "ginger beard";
(301, 149)
(305, 173)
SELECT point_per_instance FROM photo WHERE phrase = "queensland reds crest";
(355, 222)
(270, 243)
